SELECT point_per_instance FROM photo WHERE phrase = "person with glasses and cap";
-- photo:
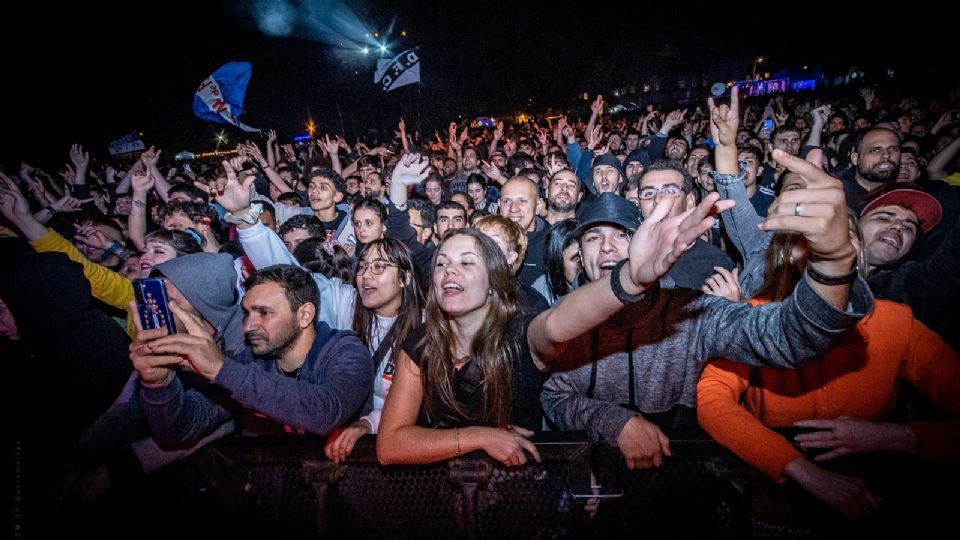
(662, 179)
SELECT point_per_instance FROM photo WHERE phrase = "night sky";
(137, 65)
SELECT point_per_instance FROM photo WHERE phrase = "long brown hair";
(782, 269)
(411, 297)
(493, 350)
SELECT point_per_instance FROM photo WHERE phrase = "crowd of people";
(756, 264)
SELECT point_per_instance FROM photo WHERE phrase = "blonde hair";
(511, 233)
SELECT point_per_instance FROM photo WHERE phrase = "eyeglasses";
(672, 190)
(377, 267)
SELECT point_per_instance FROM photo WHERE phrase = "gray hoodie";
(208, 282)
(669, 336)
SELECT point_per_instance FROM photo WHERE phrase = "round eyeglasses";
(377, 267)
(672, 190)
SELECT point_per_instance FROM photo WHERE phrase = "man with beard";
(876, 161)
(563, 195)
(294, 376)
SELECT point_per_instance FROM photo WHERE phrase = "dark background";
(90, 73)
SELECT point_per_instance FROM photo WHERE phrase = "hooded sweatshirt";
(208, 282)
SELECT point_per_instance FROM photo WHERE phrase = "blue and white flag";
(124, 145)
(401, 70)
(220, 96)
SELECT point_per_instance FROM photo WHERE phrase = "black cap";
(607, 208)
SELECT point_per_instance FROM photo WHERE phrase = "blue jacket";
(333, 386)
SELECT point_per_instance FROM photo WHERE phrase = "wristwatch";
(726, 179)
(250, 217)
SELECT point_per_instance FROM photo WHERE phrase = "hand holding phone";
(153, 305)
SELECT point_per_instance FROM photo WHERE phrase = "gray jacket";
(741, 223)
(672, 333)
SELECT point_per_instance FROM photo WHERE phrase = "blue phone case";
(153, 306)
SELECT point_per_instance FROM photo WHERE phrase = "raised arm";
(819, 115)
(81, 161)
(137, 220)
(411, 170)
(741, 221)
(657, 244)
(271, 155)
(402, 133)
(272, 175)
(150, 159)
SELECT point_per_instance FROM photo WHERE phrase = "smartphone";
(153, 306)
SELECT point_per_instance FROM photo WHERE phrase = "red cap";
(908, 195)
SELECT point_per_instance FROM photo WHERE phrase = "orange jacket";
(858, 377)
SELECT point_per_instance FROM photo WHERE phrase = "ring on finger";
(797, 209)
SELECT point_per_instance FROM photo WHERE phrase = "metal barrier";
(280, 487)
(285, 488)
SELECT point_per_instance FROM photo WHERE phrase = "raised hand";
(492, 172)
(330, 146)
(271, 136)
(820, 114)
(150, 157)
(13, 205)
(724, 119)
(673, 120)
(594, 137)
(233, 195)
(411, 169)
(554, 164)
(660, 241)
(819, 212)
(597, 106)
(78, 157)
(88, 235)
(39, 191)
(254, 151)
(69, 175)
(142, 182)
(542, 138)
(498, 133)
(68, 204)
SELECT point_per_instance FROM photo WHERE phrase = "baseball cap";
(908, 195)
(607, 208)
